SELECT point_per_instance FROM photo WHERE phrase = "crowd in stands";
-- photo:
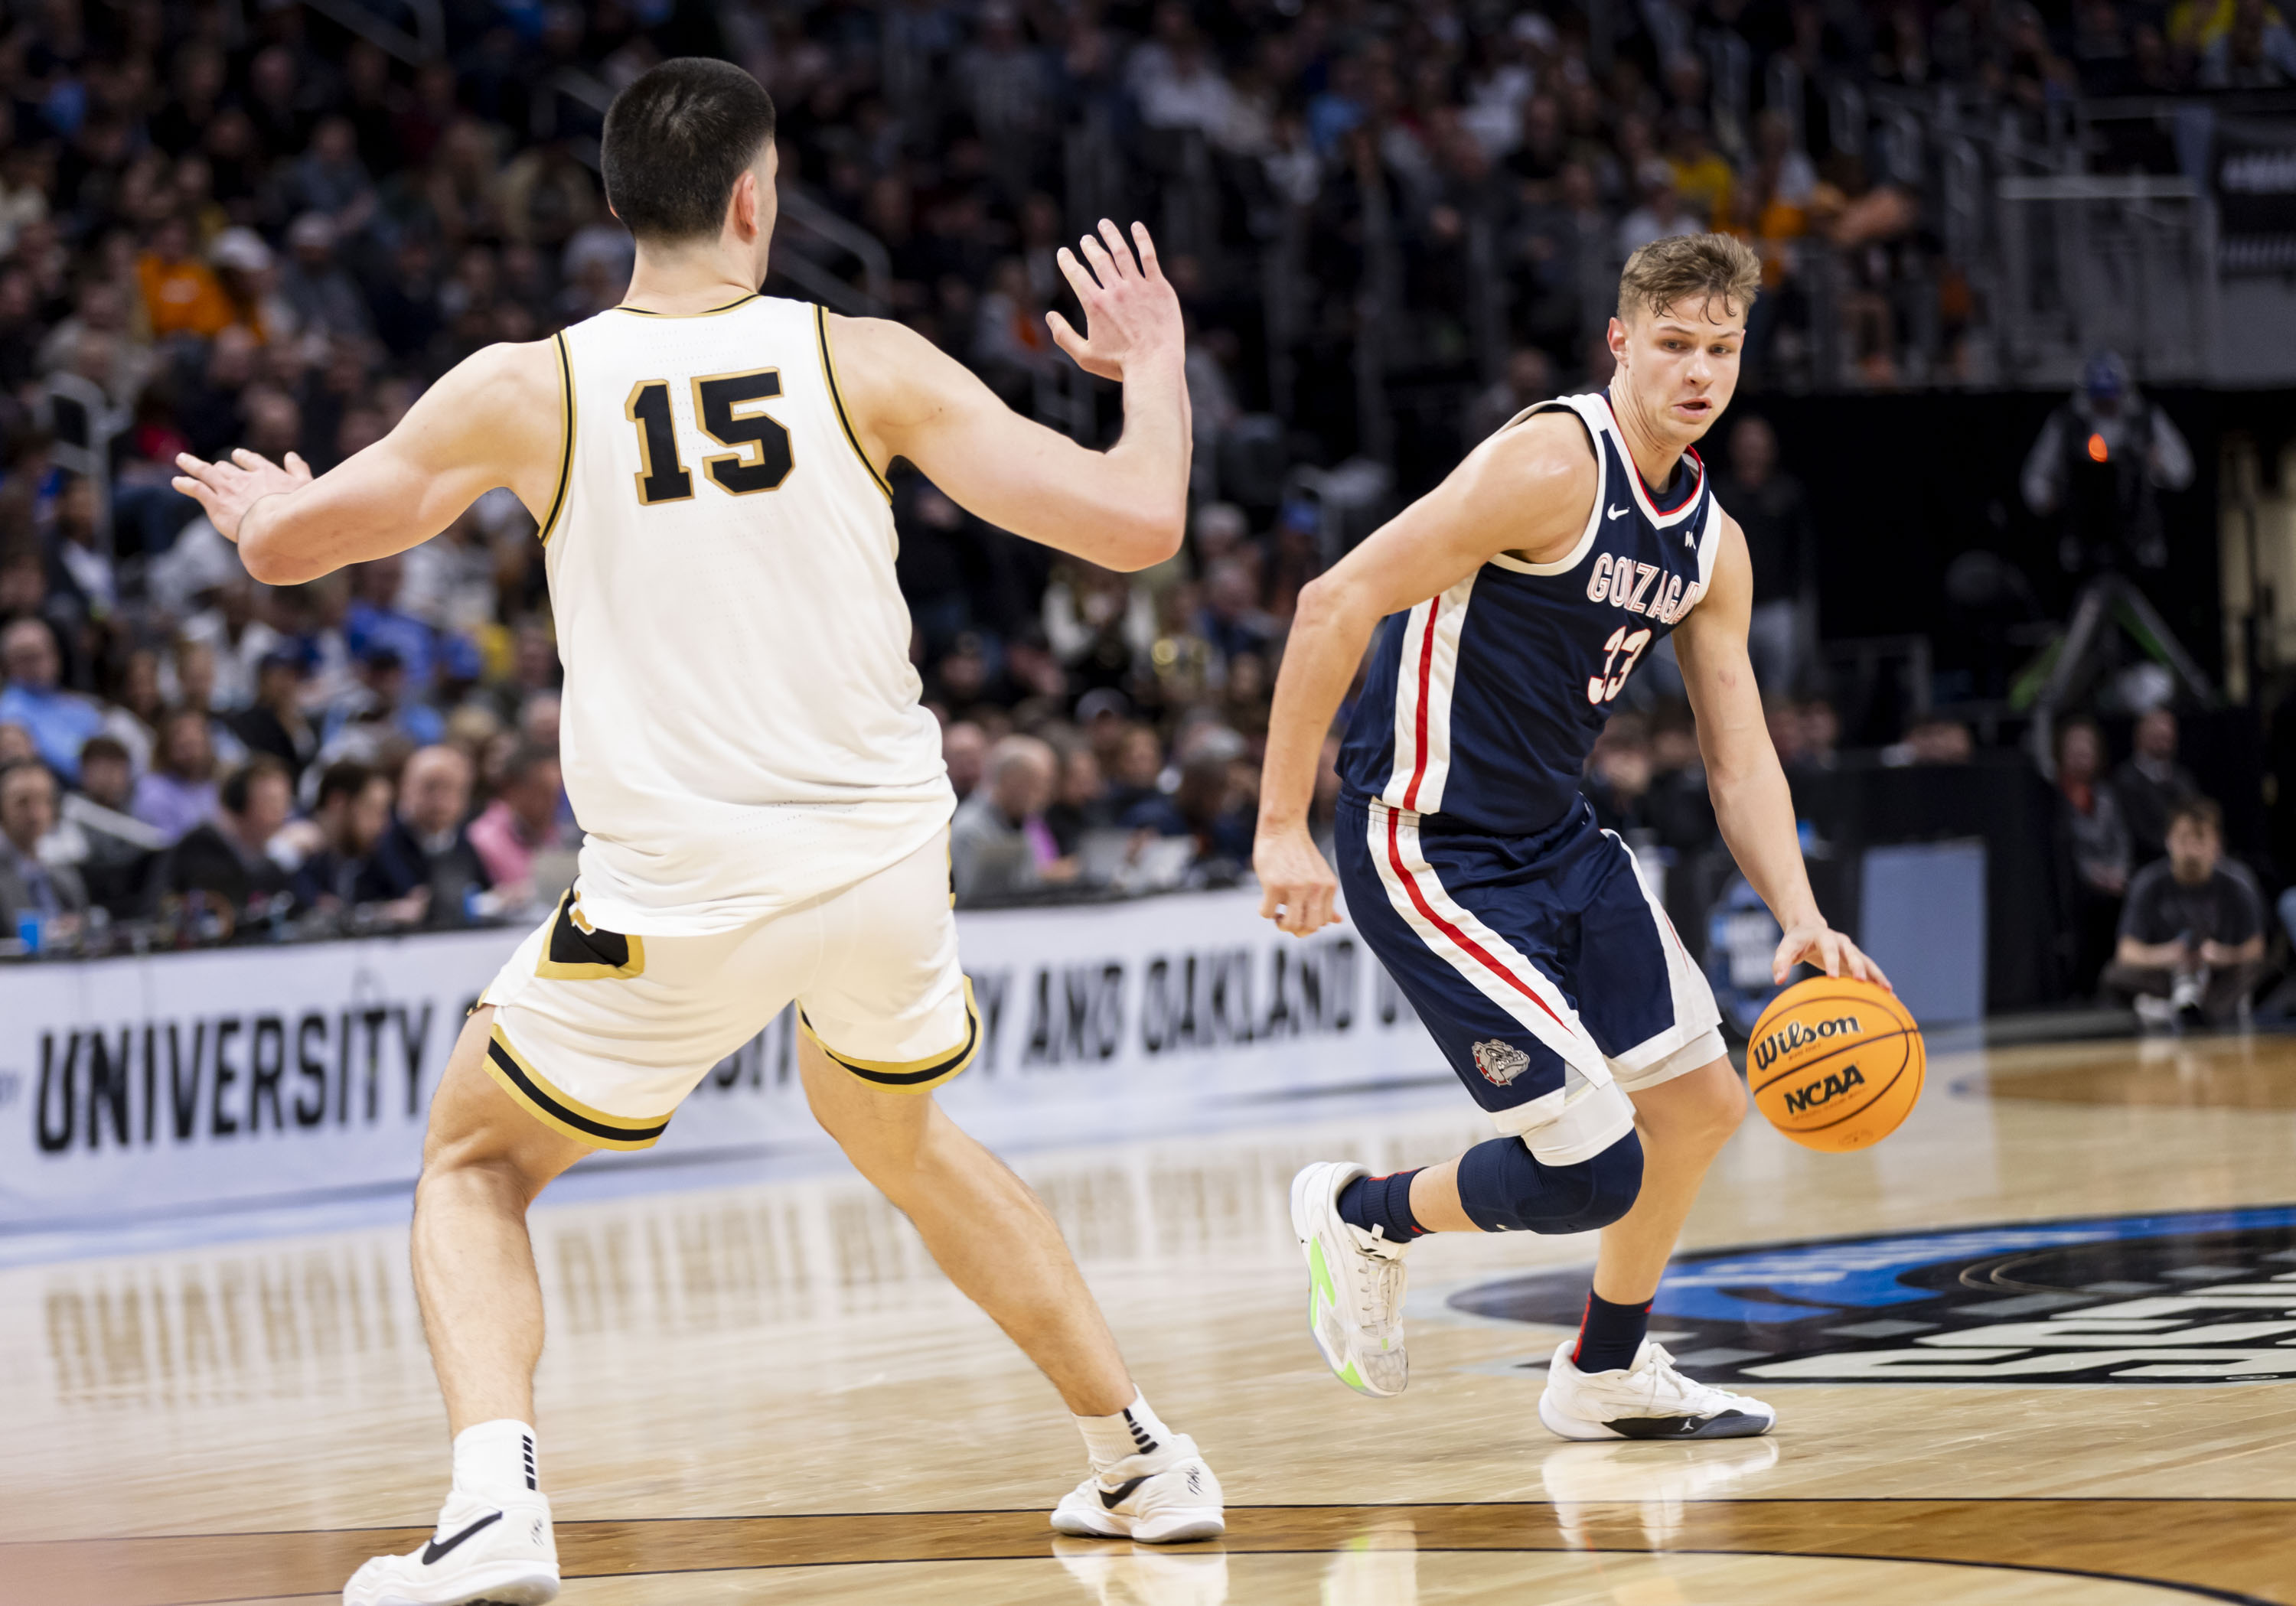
(228, 226)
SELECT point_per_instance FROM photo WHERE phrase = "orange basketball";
(1836, 1064)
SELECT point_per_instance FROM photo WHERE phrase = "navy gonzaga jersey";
(1481, 704)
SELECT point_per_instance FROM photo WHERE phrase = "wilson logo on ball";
(1835, 1084)
(1798, 1036)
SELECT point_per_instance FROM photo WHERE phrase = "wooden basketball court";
(766, 1393)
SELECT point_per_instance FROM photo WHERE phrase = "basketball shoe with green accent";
(1355, 1285)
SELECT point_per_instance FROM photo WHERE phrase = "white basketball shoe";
(486, 1553)
(1355, 1285)
(1647, 1400)
(1157, 1499)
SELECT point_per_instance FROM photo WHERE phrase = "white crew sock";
(495, 1460)
(1135, 1431)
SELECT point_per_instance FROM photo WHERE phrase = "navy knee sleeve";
(1504, 1188)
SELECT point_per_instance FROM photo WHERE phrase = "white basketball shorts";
(601, 1036)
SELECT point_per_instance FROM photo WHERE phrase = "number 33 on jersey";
(1482, 704)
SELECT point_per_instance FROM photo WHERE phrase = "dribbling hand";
(226, 490)
(1297, 889)
(1130, 310)
(1816, 943)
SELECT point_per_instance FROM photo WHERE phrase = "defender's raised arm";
(1125, 508)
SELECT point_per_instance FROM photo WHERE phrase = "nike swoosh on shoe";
(434, 1550)
(1122, 1492)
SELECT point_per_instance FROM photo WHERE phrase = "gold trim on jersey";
(566, 455)
(912, 1075)
(563, 1112)
(713, 312)
(837, 399)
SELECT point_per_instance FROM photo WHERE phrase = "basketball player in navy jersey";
(1517, 598)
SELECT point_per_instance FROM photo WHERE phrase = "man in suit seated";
(41, 904)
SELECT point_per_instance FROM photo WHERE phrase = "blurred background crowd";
(269, 226)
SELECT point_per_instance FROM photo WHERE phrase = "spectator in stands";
(330, 849)
(1204, 806)
(2151, 783)
(964, 749)
(99, 834)
(48, 899)
(223, 867)
(999, 842)
(522, 822)
(59, 722)
(1782, 542)
(1529, 379)
(179, 791)
(275, 722)
(1619, 773)
(1081, 805)
(427, 851)
(1932, 739)
(2192, 932)
(2093, 839)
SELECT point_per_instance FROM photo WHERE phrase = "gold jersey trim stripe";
(837, 399)
(566, 453)
(713, 312)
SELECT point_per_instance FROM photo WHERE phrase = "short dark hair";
(97, 748)
(2202, 812)
(524, 759)
(676, 141)
(344, 778)
(27, 765)
(240, 784)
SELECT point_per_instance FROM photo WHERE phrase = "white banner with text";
(137, 1087)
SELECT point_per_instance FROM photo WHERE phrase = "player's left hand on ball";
(1820, 944)
(226, 490)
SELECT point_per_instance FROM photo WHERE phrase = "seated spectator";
(330, 849)
(99, 836)
(1082, 804)
(1133, 776)
(1619, 773)
(58, 721)
(427, 851)
(2093, 839)
(41, 903)
(179, 791)
(522, 822)
(1678, 805)
(2192, 933)
(965, 749)
(273, 722)
(2148, 787)
(999, 843)
(223, 866)
(1201, 807)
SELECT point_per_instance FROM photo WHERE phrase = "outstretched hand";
(226, 490)
(1817, 943)
(1130, 310)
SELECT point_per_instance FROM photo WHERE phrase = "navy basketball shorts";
(1550, 979)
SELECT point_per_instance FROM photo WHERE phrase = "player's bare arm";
(1527, 489)
(1751, 800)
(1125, 508)
(497, 418)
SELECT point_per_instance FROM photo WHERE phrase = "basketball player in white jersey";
(764, 800)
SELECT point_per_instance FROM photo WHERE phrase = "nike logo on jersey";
(1122, 1492)
(1617, 513)
(433, 1551)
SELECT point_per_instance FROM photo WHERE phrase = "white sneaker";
(1157, 1499)
(1355, 1285)
(484, 1553)
(1648, 1400)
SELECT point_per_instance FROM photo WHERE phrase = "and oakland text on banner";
(143, 1085)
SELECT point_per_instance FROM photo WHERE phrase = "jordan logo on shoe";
(433, 1551)
(1122, 1492)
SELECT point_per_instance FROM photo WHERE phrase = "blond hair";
(1684, 269)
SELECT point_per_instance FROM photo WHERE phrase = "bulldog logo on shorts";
(1500, 1062)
